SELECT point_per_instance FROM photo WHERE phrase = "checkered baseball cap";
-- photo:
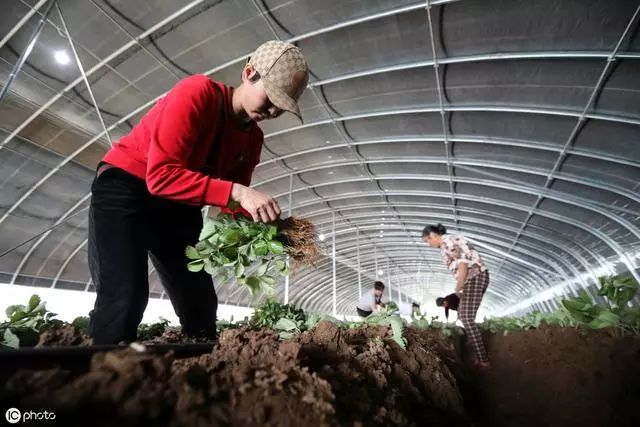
(284, 73)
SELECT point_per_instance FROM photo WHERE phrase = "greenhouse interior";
(336, 213)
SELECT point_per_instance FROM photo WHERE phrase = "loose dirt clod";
(63, 335)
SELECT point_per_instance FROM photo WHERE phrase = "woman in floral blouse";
(472, 280)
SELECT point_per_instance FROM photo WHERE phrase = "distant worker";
(450, 302)
(371, 300)
(472, 280)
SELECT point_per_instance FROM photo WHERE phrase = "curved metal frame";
(441, 110)
(567, 239)
(597, 233)
(498, 226)
(574, 132)
(553, 195)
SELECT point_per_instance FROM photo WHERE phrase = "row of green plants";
(614, 313)
(25, 323)
(290, 321)
(583, 312)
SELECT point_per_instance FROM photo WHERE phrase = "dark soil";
(326, 377)
(351, 377)
(558, 377)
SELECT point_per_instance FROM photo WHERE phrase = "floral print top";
(455, 250)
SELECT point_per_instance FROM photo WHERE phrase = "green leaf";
(10, 339)
(268, 280)
(230, 237)
(239, 269)
(605, 319)
(281, 266)
(253, 283)
(262, 270)
(231, 253)
(192, 253)
(210, 269)
(16, 308)
(276, 247)
(208, 228)
(34, 302)
(285, 324)
(261, 248)
(195, 266)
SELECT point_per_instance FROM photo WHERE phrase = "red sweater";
(171, 143)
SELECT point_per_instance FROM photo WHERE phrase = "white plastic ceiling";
(516, 123)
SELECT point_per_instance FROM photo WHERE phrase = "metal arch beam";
(66, 263)
(485, 164)
(461, 108)
(598, 258)
(21, 23)
(177, 14)
(98, 66)
(549, 194)
(526, 252)
(310, 34)
(474, 58)
(574, 133)
(403, 245)
(595, 256)
(534, 236)
(33, 247)
(447, 146)
(147, 33)
(460, 162)
(613, 245)
(544, 259)
(485, 139)
(367, 115)
(347, 140)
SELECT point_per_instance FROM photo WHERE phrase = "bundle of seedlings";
(235, 247)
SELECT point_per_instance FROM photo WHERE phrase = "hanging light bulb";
(321, 236)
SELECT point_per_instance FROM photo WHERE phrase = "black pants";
(363, 313)
(126, 224)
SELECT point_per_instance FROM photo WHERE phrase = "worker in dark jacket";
(450, 302)
(196, 146)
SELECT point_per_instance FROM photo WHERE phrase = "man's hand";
(261, 206)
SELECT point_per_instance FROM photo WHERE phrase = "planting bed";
(355, 377)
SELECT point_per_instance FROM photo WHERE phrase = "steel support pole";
(287, 279)
(26, 52)
(333, 262)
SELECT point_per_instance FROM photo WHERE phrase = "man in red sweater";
(196, 146)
